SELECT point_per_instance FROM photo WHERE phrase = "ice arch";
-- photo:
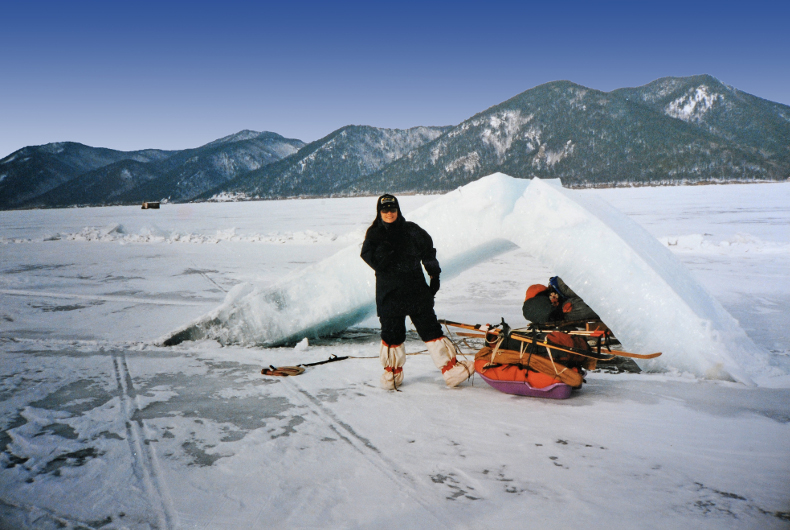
(648, 298)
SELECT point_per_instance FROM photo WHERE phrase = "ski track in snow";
(144, 459)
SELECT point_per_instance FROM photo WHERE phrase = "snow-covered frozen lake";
(102, 428)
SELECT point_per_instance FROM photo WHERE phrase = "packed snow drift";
(642, 292)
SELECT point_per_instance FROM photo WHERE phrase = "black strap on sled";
(532, 347)
(606, 339)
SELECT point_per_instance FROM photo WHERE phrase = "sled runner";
(486, 330)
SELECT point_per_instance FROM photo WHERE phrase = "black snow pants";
(393, 329)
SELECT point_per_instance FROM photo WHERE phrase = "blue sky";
(172, 75)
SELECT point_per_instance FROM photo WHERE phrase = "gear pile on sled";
(551, 356)
(540, 361)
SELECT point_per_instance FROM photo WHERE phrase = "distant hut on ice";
(150, 205)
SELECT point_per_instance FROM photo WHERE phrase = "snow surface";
(102, 428)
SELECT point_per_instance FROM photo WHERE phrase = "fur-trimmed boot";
(392, 359)
(454, 371)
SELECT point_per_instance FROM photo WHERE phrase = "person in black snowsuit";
(397, 250)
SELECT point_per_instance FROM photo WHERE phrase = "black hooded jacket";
(396, 251)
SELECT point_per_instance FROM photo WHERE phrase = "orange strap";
(394, 370)
(450, 364)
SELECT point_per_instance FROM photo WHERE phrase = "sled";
(537, 369)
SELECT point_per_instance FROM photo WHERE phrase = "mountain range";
(332, 164)
(673, 130)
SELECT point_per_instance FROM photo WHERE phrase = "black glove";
(434, 285)
(384, 253)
